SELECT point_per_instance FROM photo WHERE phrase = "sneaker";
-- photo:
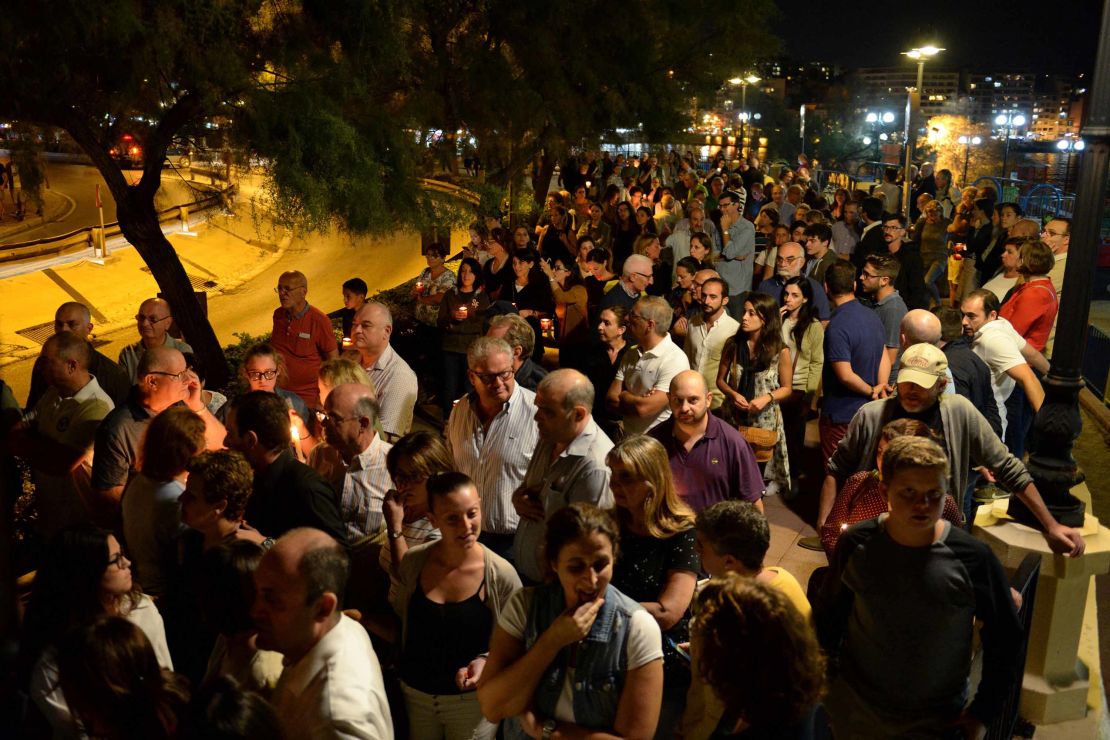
(773, 489)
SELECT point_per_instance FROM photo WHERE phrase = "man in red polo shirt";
(303, 335)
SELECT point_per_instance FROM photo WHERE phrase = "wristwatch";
(396, 535)
(548, 729)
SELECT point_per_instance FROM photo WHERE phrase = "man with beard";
(709, 459)
(968, 439)
(877, 282)
(708, 331)
(910, 282)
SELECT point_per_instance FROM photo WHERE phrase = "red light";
(127, 137)
(133, 151)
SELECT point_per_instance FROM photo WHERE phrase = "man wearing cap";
(965, 433)
(737, 250)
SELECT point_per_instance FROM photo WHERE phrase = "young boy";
(898, 607)
(732, 537)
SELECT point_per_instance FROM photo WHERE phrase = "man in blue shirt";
(737, 250)
(788, 264)
(856, 367)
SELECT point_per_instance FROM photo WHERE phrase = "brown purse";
(763, 442)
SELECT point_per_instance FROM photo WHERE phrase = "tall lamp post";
(1069, 146)
(1009, 121)
(920, 55)
(968, 142)
(743, 82)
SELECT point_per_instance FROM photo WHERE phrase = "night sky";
(1059, 36)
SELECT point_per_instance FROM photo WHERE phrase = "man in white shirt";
(332, 684)
(352, 460)
(56, 437)
(707, 333)
(844, 234)
(568, 465)
(394, 381)
(996, 342)
(1057, 235)
(491, 435)
(639, 391)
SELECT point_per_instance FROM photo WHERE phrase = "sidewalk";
(223, 254)
(56, 206)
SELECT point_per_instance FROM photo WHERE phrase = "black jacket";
(289, 494)
(973, 380)
(910, 282)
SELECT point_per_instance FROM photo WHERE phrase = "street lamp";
(1010, 120)
(876, 119)
(968, 142)
(919, 54)
(743, 82)
(1069, 146)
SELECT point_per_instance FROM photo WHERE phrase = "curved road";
(77, 183)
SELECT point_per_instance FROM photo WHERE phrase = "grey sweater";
(968, 437)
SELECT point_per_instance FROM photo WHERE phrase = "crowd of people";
(545, 517)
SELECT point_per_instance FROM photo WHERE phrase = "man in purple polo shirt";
(710, 461)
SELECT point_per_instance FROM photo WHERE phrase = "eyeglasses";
(257, 375)
(175, 376)
(491, 378)
(786, 260)
(286, 289)
(1050, 232)
(117, 560)
(867, 275)
(725, 205)
(645, 277)
(336, 419)
(149, 319)
(891, 228)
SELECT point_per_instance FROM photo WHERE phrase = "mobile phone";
(682, 652)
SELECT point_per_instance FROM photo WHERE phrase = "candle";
(346, 342)
(419, 286)
(463, 312)
(296, 441)
(545, 324)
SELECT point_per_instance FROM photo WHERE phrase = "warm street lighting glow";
(1079, 146)
(751, 79)
(923, 52)
(735, 81)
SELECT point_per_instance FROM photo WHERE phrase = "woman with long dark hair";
(755, 375)
(624, 235)
(531, 290)
(460, 319)
(571, 310)
(83, 575)
(497, 272)
(804, 336)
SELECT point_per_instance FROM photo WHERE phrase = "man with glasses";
(635, 278)
(910, 281)
(56, 437)
(395, 383)
(153, 322)
(352, 460)
(737, 250)
(877, 283)
(164, 380)
(519, 335)
(491, 434)
(303, 335)
(639, 391)
(789, 261)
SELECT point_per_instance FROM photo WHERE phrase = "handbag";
(763, 441)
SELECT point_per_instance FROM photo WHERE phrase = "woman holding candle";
(571, 306)
(460, 319)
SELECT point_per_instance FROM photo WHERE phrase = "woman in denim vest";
(575, 655)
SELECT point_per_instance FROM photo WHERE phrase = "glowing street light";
(968, 142)
(919, 54)
(1069, 146)
(1009, 120)
(744, 82)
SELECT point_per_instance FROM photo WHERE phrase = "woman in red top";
(1032, 305)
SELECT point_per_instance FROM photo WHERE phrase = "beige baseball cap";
(922, 364)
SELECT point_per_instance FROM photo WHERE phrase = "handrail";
(448, 188)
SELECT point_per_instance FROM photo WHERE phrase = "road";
(77, 183)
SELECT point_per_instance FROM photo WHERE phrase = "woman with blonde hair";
(264, 369)
(340, 371)
(659, 563)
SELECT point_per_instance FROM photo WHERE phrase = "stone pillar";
(1056, 682)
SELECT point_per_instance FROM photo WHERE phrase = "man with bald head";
(710, 461)
(74, 318)
(394, 381)
(352, 460)
(303, 335)
(56, 436)
(153, 322)
(332, 684)
(636, 276)
(567, 466)
(790, 260)
(164, 379)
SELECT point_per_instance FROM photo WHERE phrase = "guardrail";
(448, 188)
(87, 236)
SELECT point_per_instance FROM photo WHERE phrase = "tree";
(942, 142)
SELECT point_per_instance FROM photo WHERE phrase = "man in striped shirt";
(491, 434)
(352, 460)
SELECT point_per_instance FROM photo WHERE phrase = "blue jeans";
(1019, 419)
(934, 272)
